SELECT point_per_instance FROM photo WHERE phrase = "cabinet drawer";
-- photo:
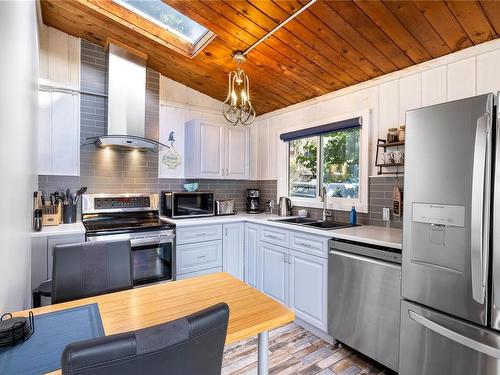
(313, 245)
(199, 234)
(199, 273)
(275, 236)
(198, 256)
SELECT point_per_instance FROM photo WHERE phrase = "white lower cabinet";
(274, 278)
(308, 282)
(198, 256)
(252, 255)
(233, 242)
(297, 279)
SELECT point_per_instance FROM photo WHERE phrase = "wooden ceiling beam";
(358, 19)
(473, 20)
(291, 68)
(335, 23)
(414, 21)
(384, 18)
(302, 39)
(203, 14)
(182, 70)
(328, 35)
(445, 23)
(331, 45)
(492, 10)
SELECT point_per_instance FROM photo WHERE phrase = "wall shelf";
(382, 144)
(385, 144)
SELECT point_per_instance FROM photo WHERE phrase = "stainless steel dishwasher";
(364, 293)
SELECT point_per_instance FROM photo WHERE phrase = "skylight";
(167, 17)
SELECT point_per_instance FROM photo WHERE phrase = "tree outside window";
(338, 156)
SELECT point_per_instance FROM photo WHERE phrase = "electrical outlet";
(386, 214)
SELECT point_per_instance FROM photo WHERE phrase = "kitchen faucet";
(326, 213)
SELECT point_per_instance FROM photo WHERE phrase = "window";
(330, 161)
(167, 17)
(331, 158)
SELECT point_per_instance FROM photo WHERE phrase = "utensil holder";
(69, 213)
(51, 214)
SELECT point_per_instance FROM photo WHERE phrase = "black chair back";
(90, 268)
(190, 345)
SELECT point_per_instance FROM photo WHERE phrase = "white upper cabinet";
(237, 152)
(211, 151)
(59, 134)
(216, 151)
(59, 58)
(59, 104)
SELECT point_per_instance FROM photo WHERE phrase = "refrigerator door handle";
(478, 232)
(479, 346)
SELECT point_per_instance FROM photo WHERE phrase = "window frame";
(333, 203)
(155, 31)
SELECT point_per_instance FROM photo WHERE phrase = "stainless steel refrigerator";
(450, 312)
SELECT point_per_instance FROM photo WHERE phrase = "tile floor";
(294, 350)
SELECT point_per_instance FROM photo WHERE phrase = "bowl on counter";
(193, 186)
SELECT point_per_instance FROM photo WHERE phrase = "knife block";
(51, 214)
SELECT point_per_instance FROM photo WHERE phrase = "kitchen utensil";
(80, 192)
(192, 186)
(37, 220)
(69, 213)
(285, 207)
(68, 196)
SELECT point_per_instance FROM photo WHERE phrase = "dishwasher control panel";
(372, 251)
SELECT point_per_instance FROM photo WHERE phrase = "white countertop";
(389, 237)
(60, 230)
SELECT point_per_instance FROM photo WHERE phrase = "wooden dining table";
(251, 312)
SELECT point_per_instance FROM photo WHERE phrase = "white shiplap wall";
(473, 71)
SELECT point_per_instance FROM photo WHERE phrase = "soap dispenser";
(353, 216)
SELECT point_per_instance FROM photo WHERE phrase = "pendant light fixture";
(237, 107)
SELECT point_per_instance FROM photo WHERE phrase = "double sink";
(325, 225)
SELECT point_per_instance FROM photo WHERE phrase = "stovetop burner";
(124, 221)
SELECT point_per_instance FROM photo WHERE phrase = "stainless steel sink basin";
(297, 220)
(329, 225)
(326, 225)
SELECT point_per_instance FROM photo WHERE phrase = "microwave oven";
(184, 204)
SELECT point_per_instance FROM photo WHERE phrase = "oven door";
(153, 259)
(194, 204)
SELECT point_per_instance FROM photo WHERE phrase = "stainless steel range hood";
(126, 103)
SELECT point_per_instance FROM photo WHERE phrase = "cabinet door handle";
(305, 244)
(201, 257)
(201, 234)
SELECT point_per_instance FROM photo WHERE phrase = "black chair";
(90, 268)
(187, 346)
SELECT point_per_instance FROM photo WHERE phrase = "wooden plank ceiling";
(331, 45)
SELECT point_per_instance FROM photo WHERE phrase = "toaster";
(225, 207)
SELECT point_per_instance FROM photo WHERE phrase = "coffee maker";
(253, 201)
